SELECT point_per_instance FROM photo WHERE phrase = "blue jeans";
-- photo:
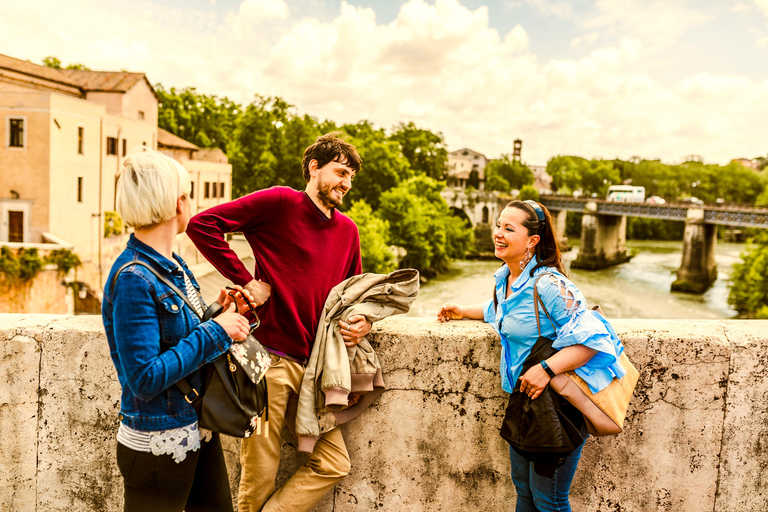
(536, 493)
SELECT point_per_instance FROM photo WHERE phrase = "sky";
(595, 78)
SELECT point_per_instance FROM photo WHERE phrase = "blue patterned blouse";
(514, 320)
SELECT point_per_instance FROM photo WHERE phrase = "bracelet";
(548, 369)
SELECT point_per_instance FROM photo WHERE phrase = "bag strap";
(190, 393)
(162, 279)
(536, 300)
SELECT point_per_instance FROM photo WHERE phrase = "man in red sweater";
(303, 247)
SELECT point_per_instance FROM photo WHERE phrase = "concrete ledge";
(695, 435)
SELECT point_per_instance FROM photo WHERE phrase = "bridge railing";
(727, 215)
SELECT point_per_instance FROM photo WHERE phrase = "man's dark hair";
(331, 148)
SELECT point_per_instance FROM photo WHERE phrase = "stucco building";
(461, 165)
(63, 134)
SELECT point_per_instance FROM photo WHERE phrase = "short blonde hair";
(148, 187)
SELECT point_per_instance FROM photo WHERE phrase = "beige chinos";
(260, 454)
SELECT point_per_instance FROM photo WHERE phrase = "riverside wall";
(695, 436)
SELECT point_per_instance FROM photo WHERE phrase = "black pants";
(155, 483)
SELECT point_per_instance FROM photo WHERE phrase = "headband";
(539, 212)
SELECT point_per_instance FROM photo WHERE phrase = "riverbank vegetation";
(395, 200)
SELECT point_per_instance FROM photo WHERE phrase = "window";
(111, 146)
(221, 189)
(144, 143)
(141, 115)
(125, 147)
(207, 192)
(192, 190)
(79, 189)
(80, 137)
(15, 226)
(214, 189)
(16, 132)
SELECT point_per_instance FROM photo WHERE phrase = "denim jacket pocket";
(174, 323)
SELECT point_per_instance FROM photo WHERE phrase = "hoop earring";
(526, 259)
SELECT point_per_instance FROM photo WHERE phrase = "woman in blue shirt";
(524, 239)
(155, 340)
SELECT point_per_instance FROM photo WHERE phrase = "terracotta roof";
(109, 81)
(169, 140)
(212, 155)
(113, 81)
(36, 70)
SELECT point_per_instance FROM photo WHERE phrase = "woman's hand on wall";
(450, 311)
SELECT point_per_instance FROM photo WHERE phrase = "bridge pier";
(698, 269)
(603, 240)
(560, 226)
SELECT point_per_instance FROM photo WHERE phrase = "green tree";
(749, 280)
(424, 150)
(268, 144)
(566, 173)
(202, 119)
(384, 167)
(53, 62)
(529, 192)
(377, 257)
(494, 181)
(421, 222)
(506, 169)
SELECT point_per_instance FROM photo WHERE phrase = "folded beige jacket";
(339, 381)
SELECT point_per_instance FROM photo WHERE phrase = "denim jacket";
(155, 340)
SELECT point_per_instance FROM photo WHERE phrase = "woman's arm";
(451, 311)
(536, 378)
(136, 329)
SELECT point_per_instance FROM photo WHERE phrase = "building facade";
(466, 167)
(63, 135)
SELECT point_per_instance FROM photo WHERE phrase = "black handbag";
(234, 397)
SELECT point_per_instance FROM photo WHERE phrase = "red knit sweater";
(299, 251)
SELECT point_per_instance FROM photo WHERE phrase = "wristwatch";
(548, 369)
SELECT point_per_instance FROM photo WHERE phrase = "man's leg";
(327, 465)
(260, 454)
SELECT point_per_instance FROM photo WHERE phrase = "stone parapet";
(694, 436)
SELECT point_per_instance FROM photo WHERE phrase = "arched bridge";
(604, 227)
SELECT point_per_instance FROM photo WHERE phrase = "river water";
(639, 288)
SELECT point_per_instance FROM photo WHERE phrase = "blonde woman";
(155, 340)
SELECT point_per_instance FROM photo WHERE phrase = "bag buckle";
(197, 395)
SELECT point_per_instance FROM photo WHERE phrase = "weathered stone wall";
(43, 293)
(694, 440)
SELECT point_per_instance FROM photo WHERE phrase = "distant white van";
(626, 194)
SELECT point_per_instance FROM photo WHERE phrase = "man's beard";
(324, 194)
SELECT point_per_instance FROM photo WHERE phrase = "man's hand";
(259, 290)
(354, 329)
(241, 295)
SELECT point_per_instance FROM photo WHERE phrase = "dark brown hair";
(548, 249)
(331, 148)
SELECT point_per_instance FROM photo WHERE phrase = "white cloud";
(762, 6)
(558, 9)
(587, 39)
(655, 22)
(438, 64)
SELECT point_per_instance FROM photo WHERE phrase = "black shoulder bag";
(234, 396)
